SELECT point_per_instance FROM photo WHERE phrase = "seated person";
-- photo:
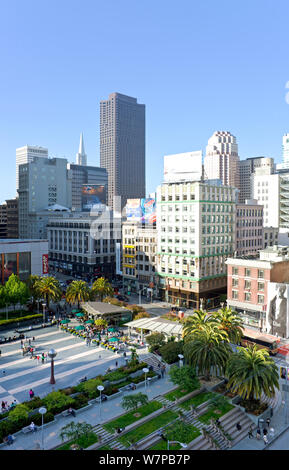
(9, 439)
(132, 386)
(32, 427)
(71, 411)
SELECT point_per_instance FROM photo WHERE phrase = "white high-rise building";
(247, 168)
(285, 158)
(266, 189)
(222, 159)
(27, 154)
(81, 158)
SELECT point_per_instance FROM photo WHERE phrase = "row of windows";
(248, 297)
(235, 272)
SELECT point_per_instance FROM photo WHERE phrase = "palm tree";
(49, 289)
(231, 322)
(197, 322)
(251, 372)
(102, 288)
(31, 284)
(208, 349)
(77, 291)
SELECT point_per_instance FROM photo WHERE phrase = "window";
(247, 272)
(261, 286)
(235, 271)
(247, 296)
(235, 282)
(260, 274)
(235, 294)
(260, 299)
(247, 284)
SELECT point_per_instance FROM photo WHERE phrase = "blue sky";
(197, 66)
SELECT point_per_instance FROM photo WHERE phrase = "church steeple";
(81, 155)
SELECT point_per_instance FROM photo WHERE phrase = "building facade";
(122, 147)
(196, 233)
(43, 183)
(249, 280)
(139, 244)
(23, 257)
(27, 154)
(249, 228)
(266, 190)
(247, 168)
(77, 246)
(222, 159)
(82, 175)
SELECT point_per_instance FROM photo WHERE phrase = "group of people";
(11, 338)
(5, 407)
(259, 432)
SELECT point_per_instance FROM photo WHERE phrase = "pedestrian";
(3, 372)
(265, 432)
(31, 393)
(99, 357)
(0, 352)
(258, 434)
(33, 338)
(272, 432)
(116, 363)
(42, 358)
(3, 405)
(250, 433)
(29, 342)
(37, 357)
(238, 426)
(33, 427)
(265, 439)
(268, 420)
(21, 342)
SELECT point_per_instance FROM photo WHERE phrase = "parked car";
(122, 298)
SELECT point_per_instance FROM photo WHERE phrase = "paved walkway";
(94, 415)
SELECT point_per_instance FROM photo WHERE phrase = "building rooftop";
(102, 308)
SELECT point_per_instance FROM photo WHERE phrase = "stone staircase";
(108, 438)
(228, 423)
(152, 360)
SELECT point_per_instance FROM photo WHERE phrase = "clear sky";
(198, 66)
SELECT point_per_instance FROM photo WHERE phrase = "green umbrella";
(89, 321)
(80, 327)
(113, 340)
(65, 321)
(79, 315)
(112, 329)
(74, 311)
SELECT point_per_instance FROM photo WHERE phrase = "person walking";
(265, 439)
(250, 432)
(268, 421)
(238, 426)
(116, 363)
(31, 393)
(42, 358)
(3, 372)
(265, 432)
(0, 352)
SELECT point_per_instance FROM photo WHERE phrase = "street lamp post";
(100, 388)
(43, 305)
(177, 442)
(52, 353)
(181, 357)
(42, 411)
(145, 370)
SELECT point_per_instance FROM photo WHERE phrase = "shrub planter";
(213, 387)
(110, 397)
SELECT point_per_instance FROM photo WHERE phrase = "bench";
(28, 429)
(67, 413)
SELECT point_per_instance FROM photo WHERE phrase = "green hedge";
(20, 319)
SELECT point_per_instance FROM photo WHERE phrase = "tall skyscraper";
(26, 154)
(81, 158)
(82, 175)
(122, 147)
(222, 159)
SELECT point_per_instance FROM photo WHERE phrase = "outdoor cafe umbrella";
(111, 329)
(65, 321)
(79, 315)
(74, 311)
(113, 340)
(80, 327)
(89, 321)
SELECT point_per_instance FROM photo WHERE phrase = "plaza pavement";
(74, 360)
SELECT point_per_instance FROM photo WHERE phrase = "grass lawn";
(179, 431)
(197, 400)
(104, 448)
(130, 417)
(177, 393)
(84, 441)
(215, 413)
(147, 428)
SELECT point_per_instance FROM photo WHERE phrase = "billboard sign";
(183, 167)
(277, 314)
(92, 195)
(45, 266)
(133, 209)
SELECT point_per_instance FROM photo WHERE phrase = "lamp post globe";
(42, 411)
(52, 353)
(100, 388)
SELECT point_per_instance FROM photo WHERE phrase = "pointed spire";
(81, 145)
(81, 155)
